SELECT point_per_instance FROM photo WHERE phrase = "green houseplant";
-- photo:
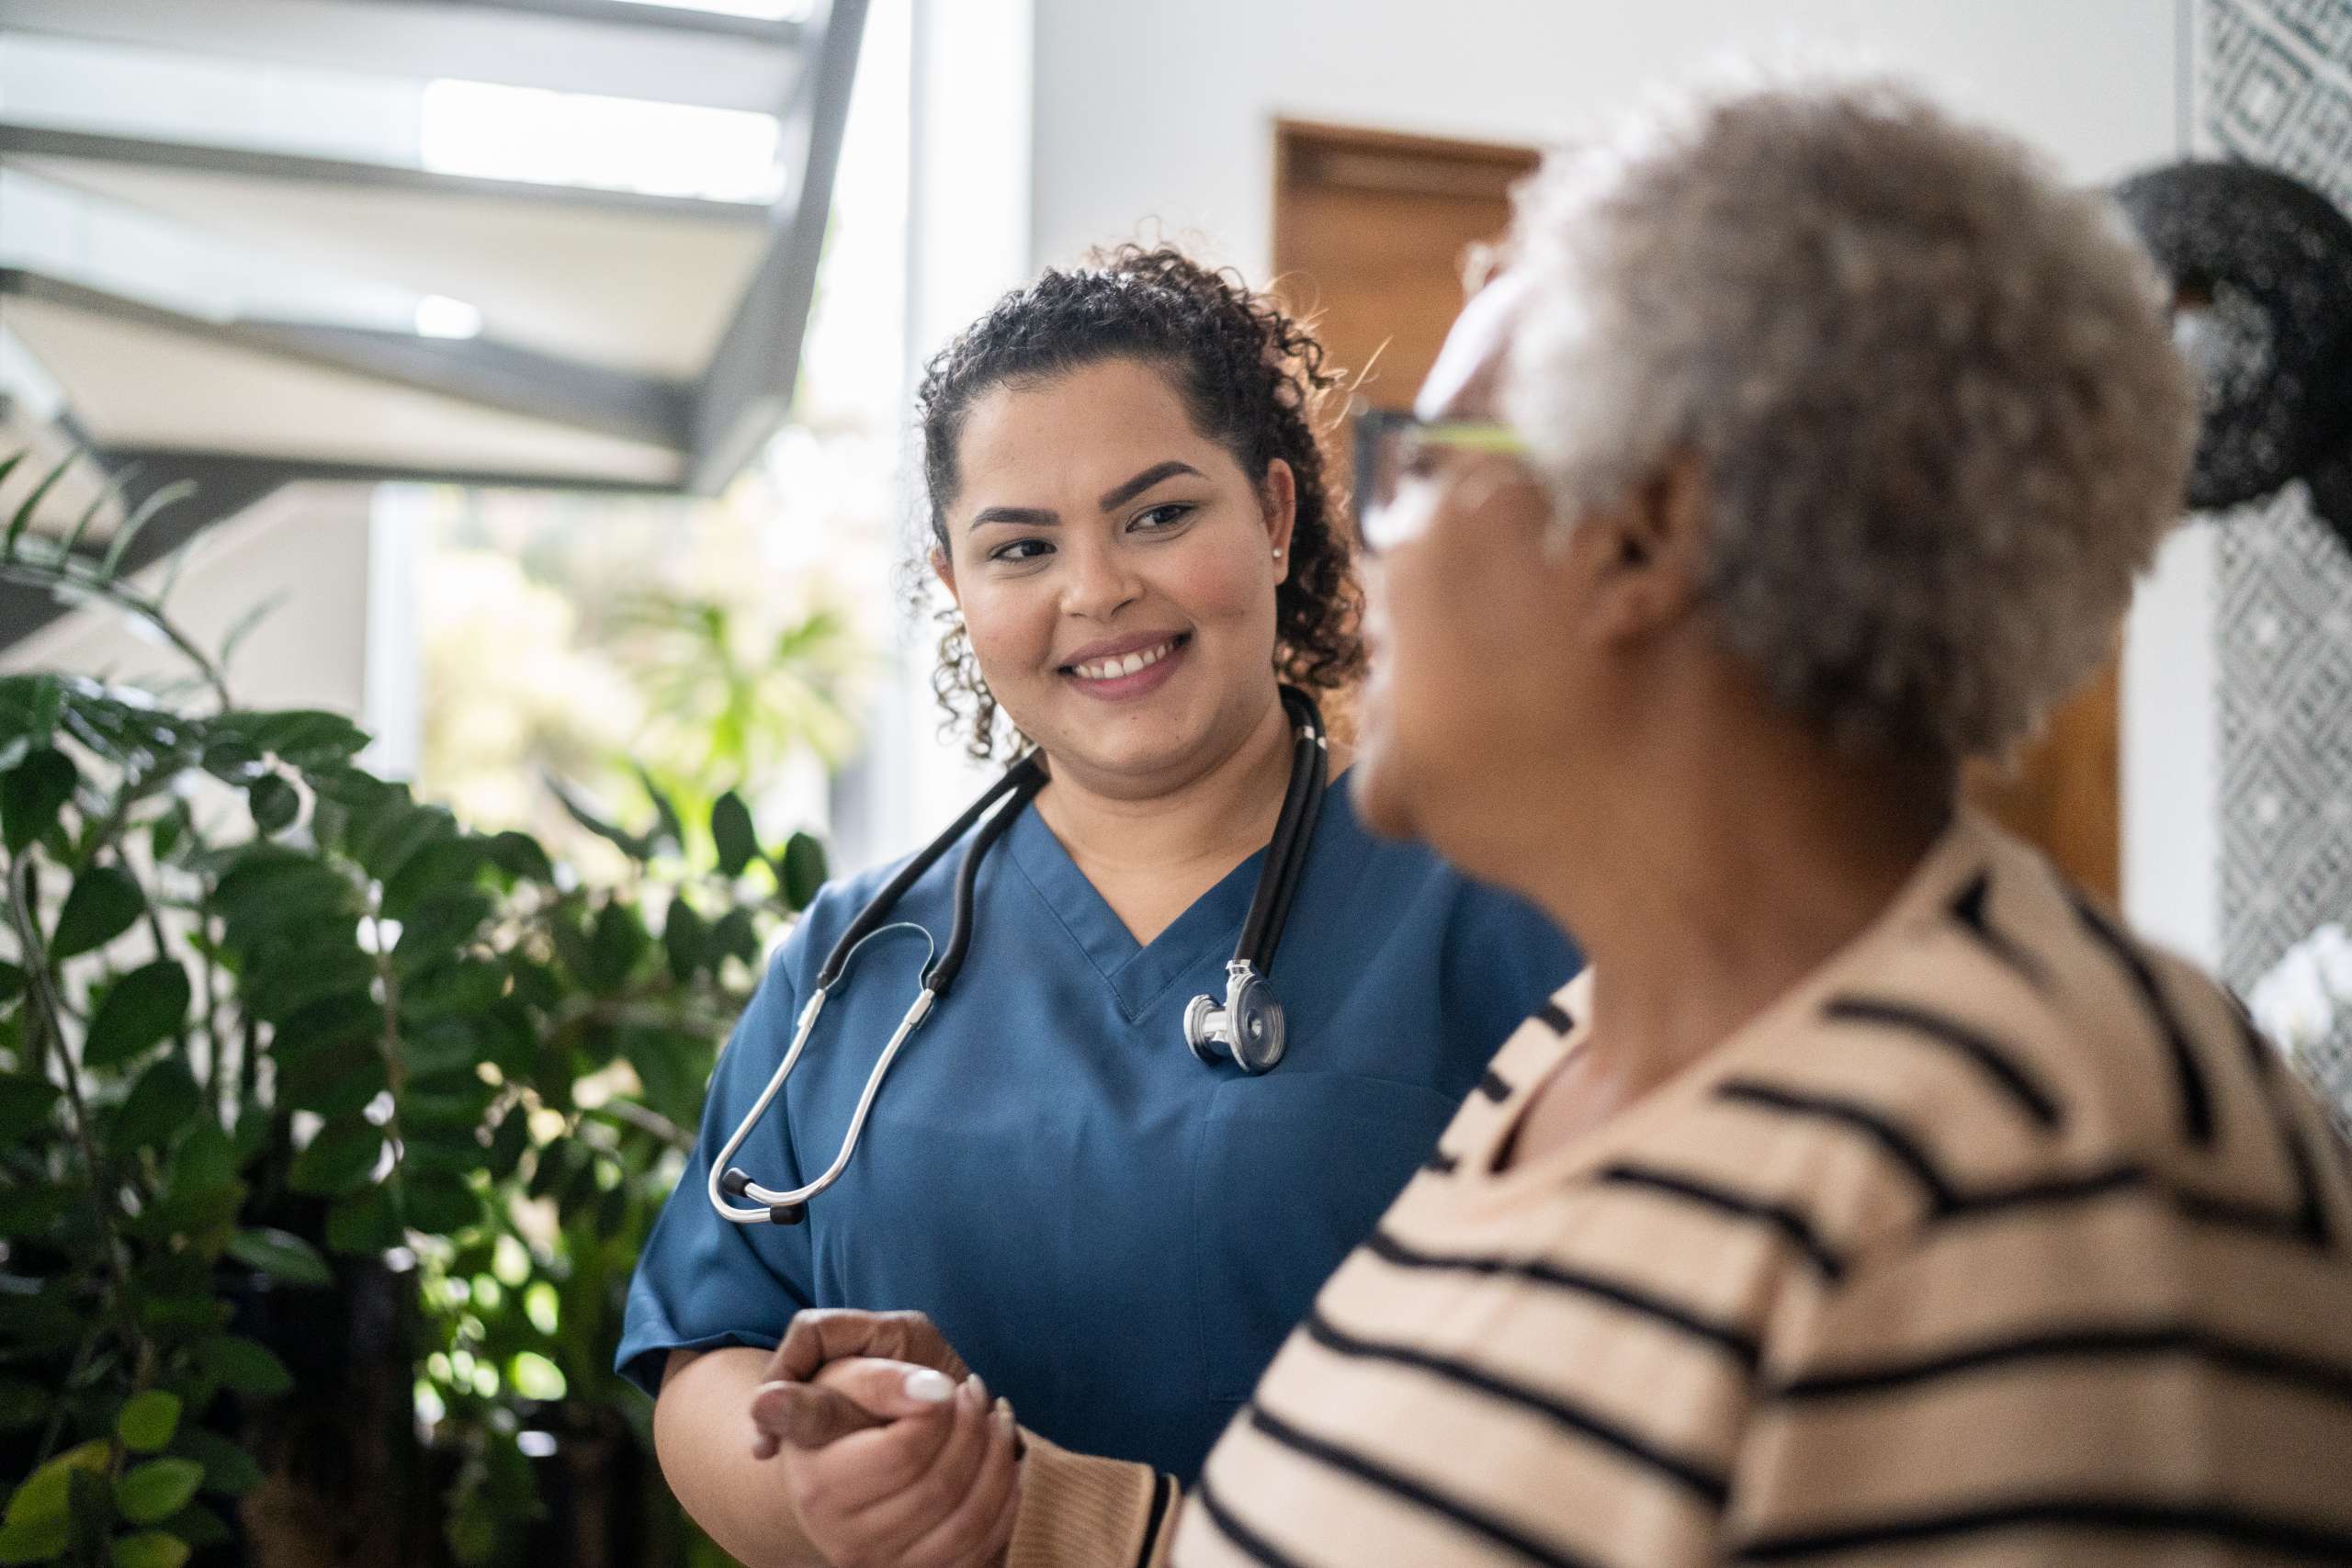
(317, 1108)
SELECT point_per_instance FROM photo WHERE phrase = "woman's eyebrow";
(1027, 517)
(1120, 494)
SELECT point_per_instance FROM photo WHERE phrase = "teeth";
(1112, 669)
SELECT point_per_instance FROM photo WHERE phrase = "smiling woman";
(1128, 510)
(1166, 336)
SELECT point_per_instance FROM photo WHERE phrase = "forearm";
(702, 1431)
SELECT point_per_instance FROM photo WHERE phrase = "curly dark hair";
(1253, 380)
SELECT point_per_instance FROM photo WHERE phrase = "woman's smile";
(1129, 668)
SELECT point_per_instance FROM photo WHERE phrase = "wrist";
(1080, 1510)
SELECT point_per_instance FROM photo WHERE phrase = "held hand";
(792, 1409)
(811, 1415)
(820, 1334)
(935, 1484)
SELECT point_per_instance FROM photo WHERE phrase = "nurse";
(1128, 508)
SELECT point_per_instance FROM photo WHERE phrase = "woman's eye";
(1418, 462)
(1021, 550)
(1164, 516)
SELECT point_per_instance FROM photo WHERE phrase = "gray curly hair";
(1940, 415)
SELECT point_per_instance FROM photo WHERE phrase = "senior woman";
(1873, 1195)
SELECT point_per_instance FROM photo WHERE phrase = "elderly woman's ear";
(1647, 555)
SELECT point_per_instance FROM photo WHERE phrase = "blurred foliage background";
(331, 1119)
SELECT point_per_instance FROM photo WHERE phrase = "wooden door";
(1372, 231)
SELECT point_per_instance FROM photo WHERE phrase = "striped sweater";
(2000, 1239)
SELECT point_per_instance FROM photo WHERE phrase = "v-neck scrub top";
(1114, 1235)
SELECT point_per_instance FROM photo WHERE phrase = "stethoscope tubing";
(1007, 798)
(1294, 834)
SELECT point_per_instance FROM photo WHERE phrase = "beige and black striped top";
(2002, 1239)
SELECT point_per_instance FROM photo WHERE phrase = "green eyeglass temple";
(1473, 436)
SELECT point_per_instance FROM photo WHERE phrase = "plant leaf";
(368, 1220)
(228, 1469)
(442, 1205)
(147, 1421)
(636, 846)
(686, 937)
(276, 804)
(244, 1366)
(159, 1104)
(156, 1490)
(280, 1256)
(339, 1160)
(801, 871)
(144, 1007)
(199, 1526)
(731, 830)
(107, 491)
(148, 1549)
(47, 1492)
(104, 903)
(119, 546)
(23, 517)
(26, 1102)
(235, 638)
(520, 856)
(300, 738)
(33, 793)
(233, 758)
(614, 946)
(668, 827)
(37, 1541)
(737, 935)
(30, 706)
(438, 926)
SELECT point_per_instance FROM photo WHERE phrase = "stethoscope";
(1246, 1028)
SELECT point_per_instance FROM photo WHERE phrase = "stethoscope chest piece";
(1246, 1029)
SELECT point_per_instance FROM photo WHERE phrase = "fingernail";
(930, 1387)
(980, 1392)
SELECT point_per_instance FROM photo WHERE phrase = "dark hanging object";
(2261, 267)
(2331, 486)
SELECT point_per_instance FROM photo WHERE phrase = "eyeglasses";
(1396, 453)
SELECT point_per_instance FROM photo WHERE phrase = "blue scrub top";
(1115, 1236)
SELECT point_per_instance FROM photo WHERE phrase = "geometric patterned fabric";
(2275, 87)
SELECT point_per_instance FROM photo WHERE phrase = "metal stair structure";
(566, 244)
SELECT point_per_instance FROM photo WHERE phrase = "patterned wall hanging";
(2275, 88)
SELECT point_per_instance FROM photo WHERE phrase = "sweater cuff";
(1080, 1511)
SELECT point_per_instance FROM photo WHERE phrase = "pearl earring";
(1278, 555)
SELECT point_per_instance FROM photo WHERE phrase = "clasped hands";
(893, 1453)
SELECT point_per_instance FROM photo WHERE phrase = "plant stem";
(56, 1428)
(645, 1118)
(41, 989)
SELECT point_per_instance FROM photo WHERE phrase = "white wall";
(1163, 114)
(1154, 110)
(305, 546)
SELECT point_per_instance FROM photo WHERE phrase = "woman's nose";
(1099, 583)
